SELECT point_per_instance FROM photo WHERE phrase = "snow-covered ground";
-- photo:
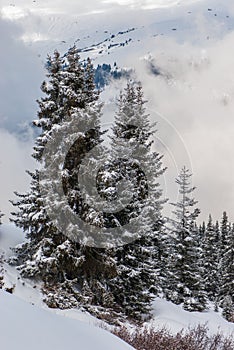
(25, 327)
(27, 323)
(175, 318)
(165, 313)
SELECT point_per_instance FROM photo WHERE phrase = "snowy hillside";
(25, 327)
(119, 31)
(175, 318)
(65, 292)
(165, 313)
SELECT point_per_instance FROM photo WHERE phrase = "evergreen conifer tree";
(65, 266)
(211, 260)
(137, 262)
(185, 273)
(224, 229)
(226, 292)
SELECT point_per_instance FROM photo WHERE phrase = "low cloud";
(194, 104)
(14, 159)
(21, 72)
(193, 101)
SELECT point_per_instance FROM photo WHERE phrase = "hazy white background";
(194, 105)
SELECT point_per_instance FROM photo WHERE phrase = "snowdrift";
(25, 327)
(175, 318)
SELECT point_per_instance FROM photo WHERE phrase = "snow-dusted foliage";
(226, 291)
(185, 280)
(210, 259)
(185, 263)
(224, 231)
(218, 264)
(72, 272)
(133, 162)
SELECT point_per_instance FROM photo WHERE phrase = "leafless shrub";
(196, 338)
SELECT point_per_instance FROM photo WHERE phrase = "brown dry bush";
(196, 338)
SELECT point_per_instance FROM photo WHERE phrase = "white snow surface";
(174, 318)
(28, 324)
(26, 327)
(166, 314)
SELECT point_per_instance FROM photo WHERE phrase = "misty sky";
(193, 102)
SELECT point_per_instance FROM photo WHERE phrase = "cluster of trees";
(218, 263)
(200, 259)
(105, 73)
(177, 259)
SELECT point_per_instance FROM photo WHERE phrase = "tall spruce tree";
(137, 262)
(226, 292)
(185, 274)
(217, 237)
(211, 260)
(224, 229)
(66, 267)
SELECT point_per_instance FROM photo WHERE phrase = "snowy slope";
(175, 318)
(24, 318)
(26, 327)
(165, 313)
(134, 28)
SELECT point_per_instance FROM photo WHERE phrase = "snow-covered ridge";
(21, 9)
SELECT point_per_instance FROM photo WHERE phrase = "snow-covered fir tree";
(131, 153)
(202, 230)
(50, 106)
(210, 260)
(188, 264)
(224, 229)
(185, 278)
(66, 267)
(217, 237)
(226, 292)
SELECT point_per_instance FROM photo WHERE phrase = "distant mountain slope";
(125, 35)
